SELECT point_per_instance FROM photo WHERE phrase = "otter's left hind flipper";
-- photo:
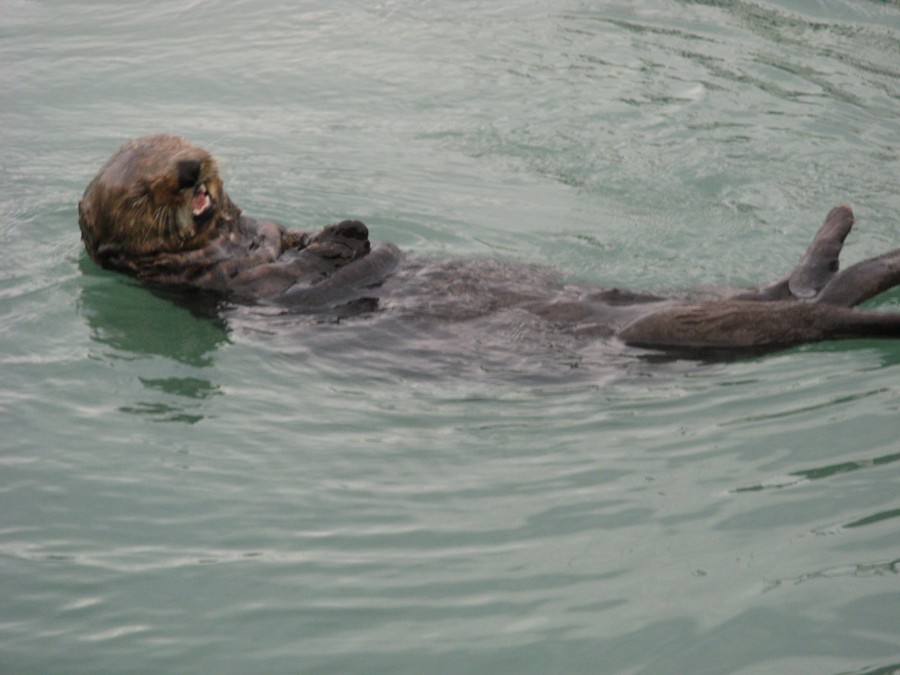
(818, 265)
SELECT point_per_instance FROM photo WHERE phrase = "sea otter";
(157, 210)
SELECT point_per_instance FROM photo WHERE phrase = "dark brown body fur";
(158, 211)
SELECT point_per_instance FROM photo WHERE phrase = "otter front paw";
(351, 229)
(346, 240)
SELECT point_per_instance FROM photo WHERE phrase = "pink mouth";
(201, 201)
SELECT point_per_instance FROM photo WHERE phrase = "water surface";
(244, 492)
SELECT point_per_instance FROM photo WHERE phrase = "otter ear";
(188, 172)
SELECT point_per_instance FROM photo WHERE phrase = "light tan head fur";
(157, 194)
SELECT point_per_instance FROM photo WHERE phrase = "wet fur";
(136, 217)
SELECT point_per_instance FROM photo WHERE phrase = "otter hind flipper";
(737, 326)
(862, 281)
(820, 262)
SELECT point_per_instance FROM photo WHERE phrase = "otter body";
(157, 210)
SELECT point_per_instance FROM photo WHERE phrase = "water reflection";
(818, 473)
(188, 387)
(143, 322)
(140, 323)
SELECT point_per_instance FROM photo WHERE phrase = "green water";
(252, 493)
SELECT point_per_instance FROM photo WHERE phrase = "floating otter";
(157, 210)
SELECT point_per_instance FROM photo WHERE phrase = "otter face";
(157, 194)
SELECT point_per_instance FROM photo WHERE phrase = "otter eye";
(188, 173)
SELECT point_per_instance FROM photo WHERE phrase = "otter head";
(157, 194)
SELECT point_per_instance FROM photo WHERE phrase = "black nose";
(188, 173)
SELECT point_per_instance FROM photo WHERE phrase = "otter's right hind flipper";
(739, 326)
(820, 263)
